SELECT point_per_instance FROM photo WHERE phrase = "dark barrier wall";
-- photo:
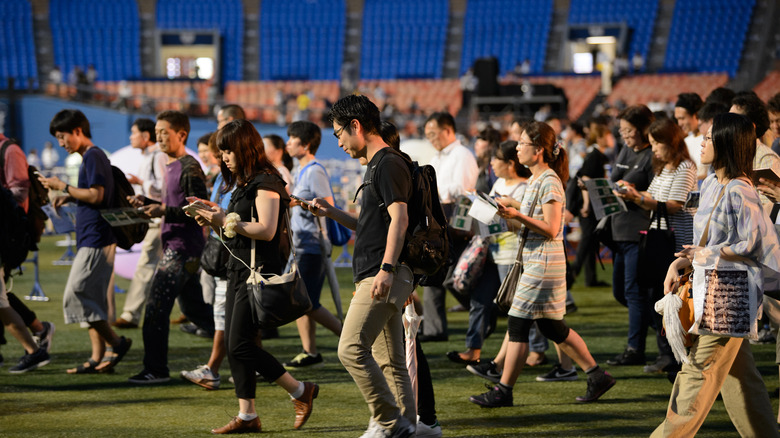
(111, 129)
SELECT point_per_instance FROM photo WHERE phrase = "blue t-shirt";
(92, 231)
(311, 182)
(217, 197)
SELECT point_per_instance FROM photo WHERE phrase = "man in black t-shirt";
(372, 336)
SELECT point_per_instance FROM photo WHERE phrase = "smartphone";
(692, 201)
(301, 200)
(621, 188)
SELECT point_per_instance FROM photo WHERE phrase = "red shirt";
(14, 176)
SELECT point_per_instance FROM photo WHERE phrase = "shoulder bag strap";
(525, 227)
(289, 236)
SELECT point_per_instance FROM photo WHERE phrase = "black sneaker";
(558, 374)
(662, 364)
(628, 357)
(304, 360)
(486, 370)
(494, 398)
(597, 387)
(193, 329)
(29, 362)
(43, 339)
(148, 378)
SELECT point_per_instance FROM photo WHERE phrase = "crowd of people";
(536, 171)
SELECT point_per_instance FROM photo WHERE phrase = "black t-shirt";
(635, 168)
(389, 174)
(593, 165)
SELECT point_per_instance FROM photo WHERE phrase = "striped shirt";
(674, 185)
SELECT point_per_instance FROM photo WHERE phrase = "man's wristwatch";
(387, 267)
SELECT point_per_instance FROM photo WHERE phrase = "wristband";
(387, 267)
(67, 186)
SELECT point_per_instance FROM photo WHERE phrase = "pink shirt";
(15, 173)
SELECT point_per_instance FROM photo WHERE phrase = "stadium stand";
(769, 86)
(259, 97)
(664, 87)
(404, 39)
(422, 94)
(708, 35)
(17, 50)
(162, 95)
(579, 90)
(639, 15)
(509, 30)
(292, 47)
(225, 15)
(103, 33)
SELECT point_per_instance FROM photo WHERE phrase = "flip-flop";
(455, 357)
(81, 369)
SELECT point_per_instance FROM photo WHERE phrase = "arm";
(548, 227)
(267, 207)
(399, 221)
(192, 184)
(16, 178)
(92, 195)
(320, 207)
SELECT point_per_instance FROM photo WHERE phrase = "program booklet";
(118, 217)
(604, 202)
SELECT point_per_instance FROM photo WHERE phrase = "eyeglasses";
(337, 133)
(525, 144)
(626, 132)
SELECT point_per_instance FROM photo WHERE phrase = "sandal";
(81, 369)
(120, 351)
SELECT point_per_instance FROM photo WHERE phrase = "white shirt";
(456, 171)
(693, 143)
(151, 172)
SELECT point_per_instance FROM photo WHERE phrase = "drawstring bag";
(470, 265)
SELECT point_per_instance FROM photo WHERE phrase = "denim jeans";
(481, 308)
(625, 288)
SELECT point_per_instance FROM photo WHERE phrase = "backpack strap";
(370, 184)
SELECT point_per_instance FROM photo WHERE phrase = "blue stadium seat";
(511, 30)
(708, 35)
(403, 38)
(17, 49)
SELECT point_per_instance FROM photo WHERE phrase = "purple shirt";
(179, 232)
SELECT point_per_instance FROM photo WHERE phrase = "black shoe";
(662, 364)
(486, 370)
(148, 378)
(455, 357)
(597, 387)
(31, 361)
(193, 329)
(432, 338)
(558, 374)
(494, 398)
(628, 357)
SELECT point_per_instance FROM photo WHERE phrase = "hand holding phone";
(302, 201)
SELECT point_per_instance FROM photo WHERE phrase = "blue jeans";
(312, 269)
(481, 307)
(625, 288)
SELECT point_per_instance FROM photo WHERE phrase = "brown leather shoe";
(305, 403)
(238, 425)
(123, 323)
(180, 320)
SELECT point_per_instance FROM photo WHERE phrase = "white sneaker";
(374, 430)
(428, 431)
(202, 376)
(402, 429)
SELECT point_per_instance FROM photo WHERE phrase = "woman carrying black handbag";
(259, 188)
(675, 177)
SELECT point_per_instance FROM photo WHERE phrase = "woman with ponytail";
(541, 290)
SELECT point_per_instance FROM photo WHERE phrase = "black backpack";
(37, 195)
(126, 235)
(16, 233)
(426, 244)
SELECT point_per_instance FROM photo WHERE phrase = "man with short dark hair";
(456, 174)
(85, 297)
(150, 178)
(228, 113)
(371, 345)
(685, 110)
(773, 106)
(182, 242)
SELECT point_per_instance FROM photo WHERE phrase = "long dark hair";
(667, 131)
(734, 143)
(278, 143)
(543, 136)
(507, 152)
(241, 138)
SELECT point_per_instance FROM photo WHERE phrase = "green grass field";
(48, 402)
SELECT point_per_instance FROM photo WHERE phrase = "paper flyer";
(460, 219)
(118, 217)
(604, 202)
(62, 219)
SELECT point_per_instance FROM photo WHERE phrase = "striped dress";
(541, 290)
(674, 185)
